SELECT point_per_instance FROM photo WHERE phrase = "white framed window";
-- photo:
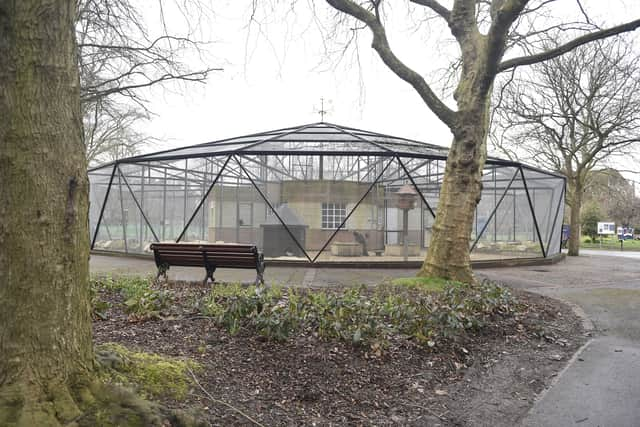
(333, 214)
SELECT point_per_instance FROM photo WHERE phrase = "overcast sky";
(275, 74)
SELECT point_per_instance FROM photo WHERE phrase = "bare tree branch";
(569, 46)
(436, 7)
(381, 46)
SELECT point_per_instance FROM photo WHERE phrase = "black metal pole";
(164, 205)
(495, 209)
(495, 200)
(104, 204)
(204, 191)
(514, 215)
(142, 229)
(533, 214)
(124, 219)
(186, 193)
(272, 209)
(416, 187)
(203, 200)
(237, 227)
(565, 195)
(555, 219)
(155, 236)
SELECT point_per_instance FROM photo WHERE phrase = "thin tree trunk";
(574, 219)
(448, 255)
(45, 323)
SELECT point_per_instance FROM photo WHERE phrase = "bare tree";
(120, 58)
(572, 114)
(625, 207)
(483, 32)
(614, 195)
(111, 133)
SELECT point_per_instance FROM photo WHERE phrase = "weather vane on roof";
(322, 111)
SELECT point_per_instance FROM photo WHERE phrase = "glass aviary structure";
(316, 193)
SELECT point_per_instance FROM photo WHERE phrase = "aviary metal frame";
(227, 190)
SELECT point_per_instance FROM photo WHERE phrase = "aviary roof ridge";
(319, 138)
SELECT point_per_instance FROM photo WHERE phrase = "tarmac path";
(601, 384)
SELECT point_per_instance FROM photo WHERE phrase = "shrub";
(358, 315)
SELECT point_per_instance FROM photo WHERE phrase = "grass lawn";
(613, 244)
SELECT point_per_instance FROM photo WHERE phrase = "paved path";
(601, 386)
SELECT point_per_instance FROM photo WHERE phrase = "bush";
(358, 315)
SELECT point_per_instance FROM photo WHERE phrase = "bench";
(210, 257)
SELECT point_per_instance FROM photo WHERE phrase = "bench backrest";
(201, 255)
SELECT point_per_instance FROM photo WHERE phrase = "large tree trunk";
(45, 322)
(576, 192)
(448, 255)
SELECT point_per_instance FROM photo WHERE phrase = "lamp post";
(406, 199)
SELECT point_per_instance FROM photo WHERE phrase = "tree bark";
(45, 323)
(448, 256)
(576, 190)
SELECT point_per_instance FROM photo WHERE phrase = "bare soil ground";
(488, 378)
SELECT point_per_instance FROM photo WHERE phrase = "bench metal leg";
(260, 275)
(162, 271)
(210, 271)
(259, 279)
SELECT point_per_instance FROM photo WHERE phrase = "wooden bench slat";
(212, 260)
(185, 246)
(209, 256)
(213, 253)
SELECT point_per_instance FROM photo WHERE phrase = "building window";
(333, 214)
(245, 214)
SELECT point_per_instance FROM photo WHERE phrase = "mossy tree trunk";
(45, 323)
(448, 254)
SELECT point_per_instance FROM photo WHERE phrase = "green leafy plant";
(358, 315)
(141, 300)
(99, 307)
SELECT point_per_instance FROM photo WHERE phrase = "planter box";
(398, 250)
(346, 249)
